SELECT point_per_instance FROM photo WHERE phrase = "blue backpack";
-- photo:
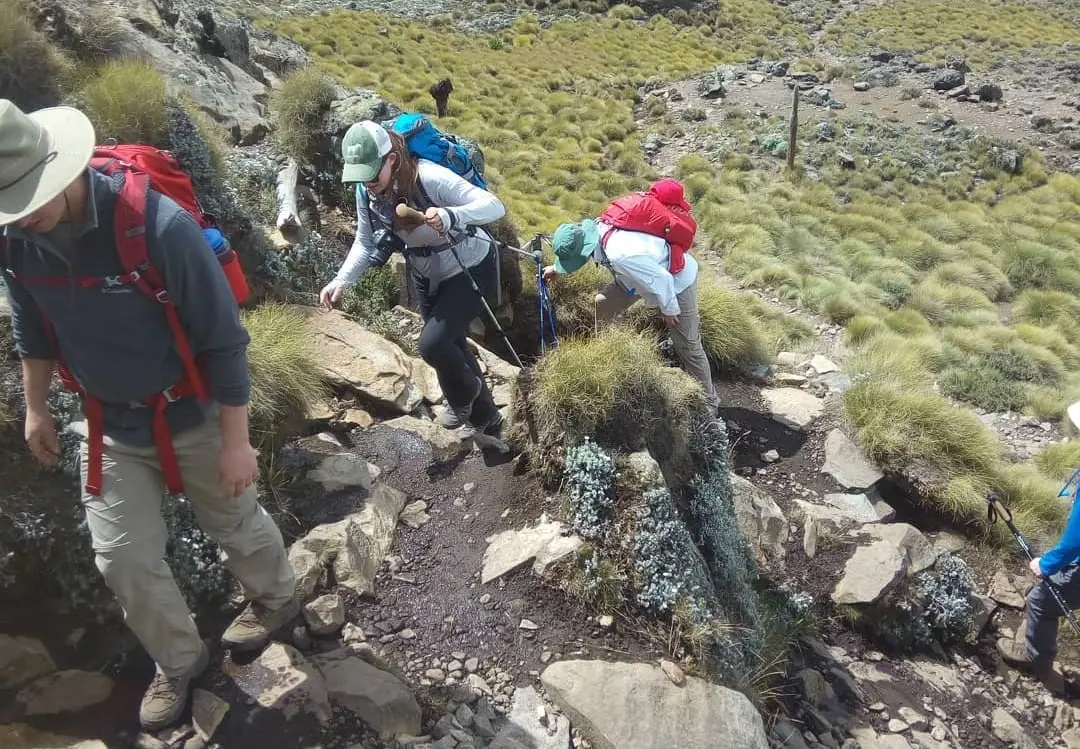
(425, 141)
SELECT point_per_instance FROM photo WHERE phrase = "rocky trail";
(433, 615)
(431, 611)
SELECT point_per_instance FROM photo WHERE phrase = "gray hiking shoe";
(454, 418)
(166, 699)
(253, 628)
(492, 430)
(1015, 653)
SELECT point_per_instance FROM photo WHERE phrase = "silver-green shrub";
(590, 476)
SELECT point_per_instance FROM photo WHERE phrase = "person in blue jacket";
(1035, 646)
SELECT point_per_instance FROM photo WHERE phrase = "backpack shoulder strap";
(131, 245)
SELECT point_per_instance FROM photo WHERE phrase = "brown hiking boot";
(166, 698)
(1014, 652)
(253, 628)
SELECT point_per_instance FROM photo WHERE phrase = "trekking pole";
(996, 509)
(545, 308)
(406, 212)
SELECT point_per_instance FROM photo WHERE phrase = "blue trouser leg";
(1043, 614)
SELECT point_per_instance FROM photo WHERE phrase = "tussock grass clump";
(31, 69)
(728, 330)
(1059, 461)
(613, 388)
(296, 107)
(127, 100)
(286, 380)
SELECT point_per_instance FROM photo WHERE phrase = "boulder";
(948, 79)
(354, 546)
(531, 724)
(380, 699)
(892, 552)
(635, 706)
(542, 544)
(822, 365)
(282, 679)
(22, 659)
(345, 471)
(1004, 592)
(207, 712)
(854, 506)
(1008, 730)
(445, 444)
(65, 691)
(365, 362)
(221, 89)
(415, 514)
(325, 615)
(760, 521)
(846, 463)
(275, 53)
(644, 469)
(793, 407)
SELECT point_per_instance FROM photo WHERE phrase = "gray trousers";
(130, 537)
(1043, 614)
(686, 335)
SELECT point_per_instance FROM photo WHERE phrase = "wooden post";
(793, 132)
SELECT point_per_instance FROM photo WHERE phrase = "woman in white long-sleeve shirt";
(639, 262)
(387, 174)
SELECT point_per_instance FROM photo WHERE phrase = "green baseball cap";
(363, 149)
(574, 244)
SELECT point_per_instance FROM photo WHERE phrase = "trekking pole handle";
(404, 211)
(994, 506)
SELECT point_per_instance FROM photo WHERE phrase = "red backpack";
(641, 211)
(144, 168)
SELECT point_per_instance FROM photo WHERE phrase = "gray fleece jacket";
(117, 342)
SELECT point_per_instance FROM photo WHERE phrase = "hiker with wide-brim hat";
(443, 252)
(639, 263)
(74, 307)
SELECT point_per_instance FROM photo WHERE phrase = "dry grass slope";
(986, 32)
(551, 107)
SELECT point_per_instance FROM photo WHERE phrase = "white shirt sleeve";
(362, 252)
(650, 276)
(460, 202)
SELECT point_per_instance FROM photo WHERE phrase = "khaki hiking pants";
(129, 536)
(613, 300)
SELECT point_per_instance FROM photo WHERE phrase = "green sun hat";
(363, 149)
(574, 245)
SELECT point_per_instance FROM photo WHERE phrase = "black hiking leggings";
(447, 314)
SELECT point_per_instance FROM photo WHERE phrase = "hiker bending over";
(388, 175)
(74, 307)
(646, 266)
(1035, 645)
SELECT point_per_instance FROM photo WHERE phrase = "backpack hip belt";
(95, 432)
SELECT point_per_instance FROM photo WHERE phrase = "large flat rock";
(846, 463)
(356, 358)
(382, 700)
(793, 407)
(636, 706)
(542, 544)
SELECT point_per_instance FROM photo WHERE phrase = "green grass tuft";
(286, 380)
(296, 107)
(126, 100)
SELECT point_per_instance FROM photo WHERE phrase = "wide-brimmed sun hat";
(41, 154)
(574, 244)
